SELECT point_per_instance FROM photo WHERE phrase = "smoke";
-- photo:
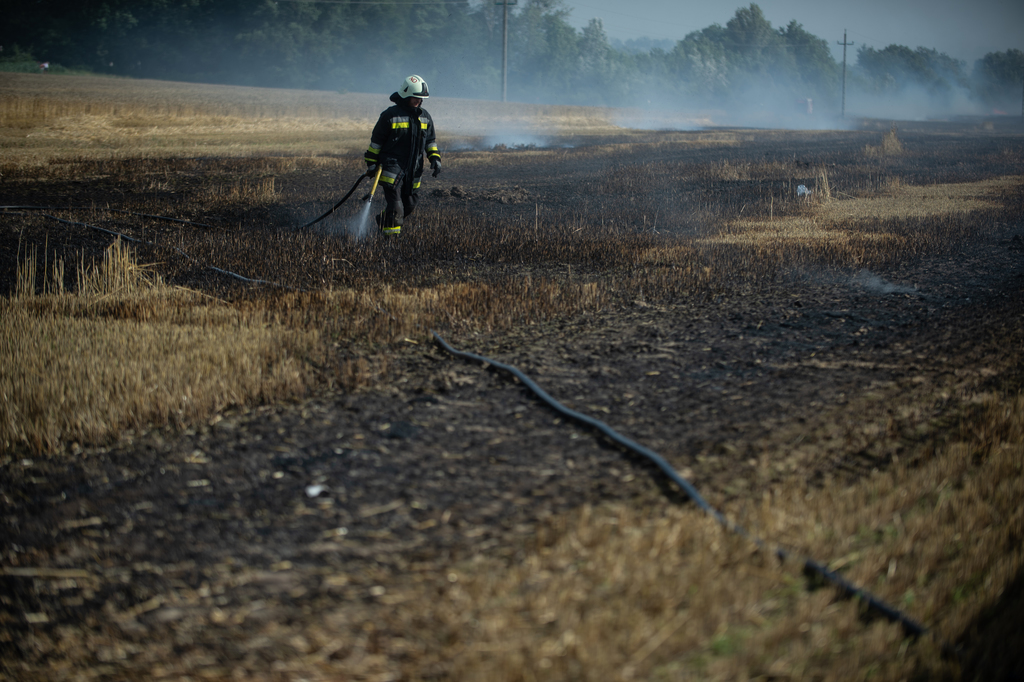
(873, 284)
(765, 104)
(514, 140)
(913, 103)
(657, 102)
(658, 112)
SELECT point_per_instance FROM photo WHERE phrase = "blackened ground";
(169, 549)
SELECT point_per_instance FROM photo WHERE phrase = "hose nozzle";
(373, 187)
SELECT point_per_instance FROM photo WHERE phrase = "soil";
(166, 552)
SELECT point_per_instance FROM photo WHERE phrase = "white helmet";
(414, 86)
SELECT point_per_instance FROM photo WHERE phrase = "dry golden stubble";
(605, 611)
(41, 118)
(674, 268)
(668, 272)
(145, 354)
(889, 147)
(248, 191)
(125, 351)
(612, 592)
(175, 172)
(904, 222)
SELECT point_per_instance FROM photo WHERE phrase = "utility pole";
(505, 46)
(844, 44)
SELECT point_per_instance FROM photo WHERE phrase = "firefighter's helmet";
(414, 86)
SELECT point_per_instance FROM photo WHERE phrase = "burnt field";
(232, 449)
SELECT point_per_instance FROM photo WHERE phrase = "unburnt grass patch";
(617, 593)
(670, 239)
(123, 350)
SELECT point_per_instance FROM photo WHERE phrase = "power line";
(844, 44)
(504, 47)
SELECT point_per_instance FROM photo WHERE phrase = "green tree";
(543, 53)
(724, 64)
(897, 66)
(998, 80)
(79, 35)
(354, 45)
(701, 66)
(754, 47)
(814, 67)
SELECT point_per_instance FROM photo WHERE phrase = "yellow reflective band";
(423, 125)
(387, 180)
(391, 230)
(399, 124)
(416, 184)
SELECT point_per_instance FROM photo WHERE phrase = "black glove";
(371, 170)
(435, 163)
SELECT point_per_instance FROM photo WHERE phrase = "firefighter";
(402, 135)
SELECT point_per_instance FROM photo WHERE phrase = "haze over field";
(239, 452)
(776, 65)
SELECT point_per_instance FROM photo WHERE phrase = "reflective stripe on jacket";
(399, 140)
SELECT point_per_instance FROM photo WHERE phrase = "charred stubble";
(768, 348)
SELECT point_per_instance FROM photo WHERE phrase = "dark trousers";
(401, 202)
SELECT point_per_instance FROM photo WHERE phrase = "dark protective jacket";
(398, 142)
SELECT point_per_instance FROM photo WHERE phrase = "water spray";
(338, 205)
(358, 226)
(360, 223)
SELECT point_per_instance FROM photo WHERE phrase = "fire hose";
(811, 567)
(376, 179)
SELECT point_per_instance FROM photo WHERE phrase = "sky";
(961, 29)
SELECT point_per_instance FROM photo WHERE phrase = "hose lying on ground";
(337, 205)
(910, 626)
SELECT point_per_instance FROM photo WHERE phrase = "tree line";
(369, 45)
